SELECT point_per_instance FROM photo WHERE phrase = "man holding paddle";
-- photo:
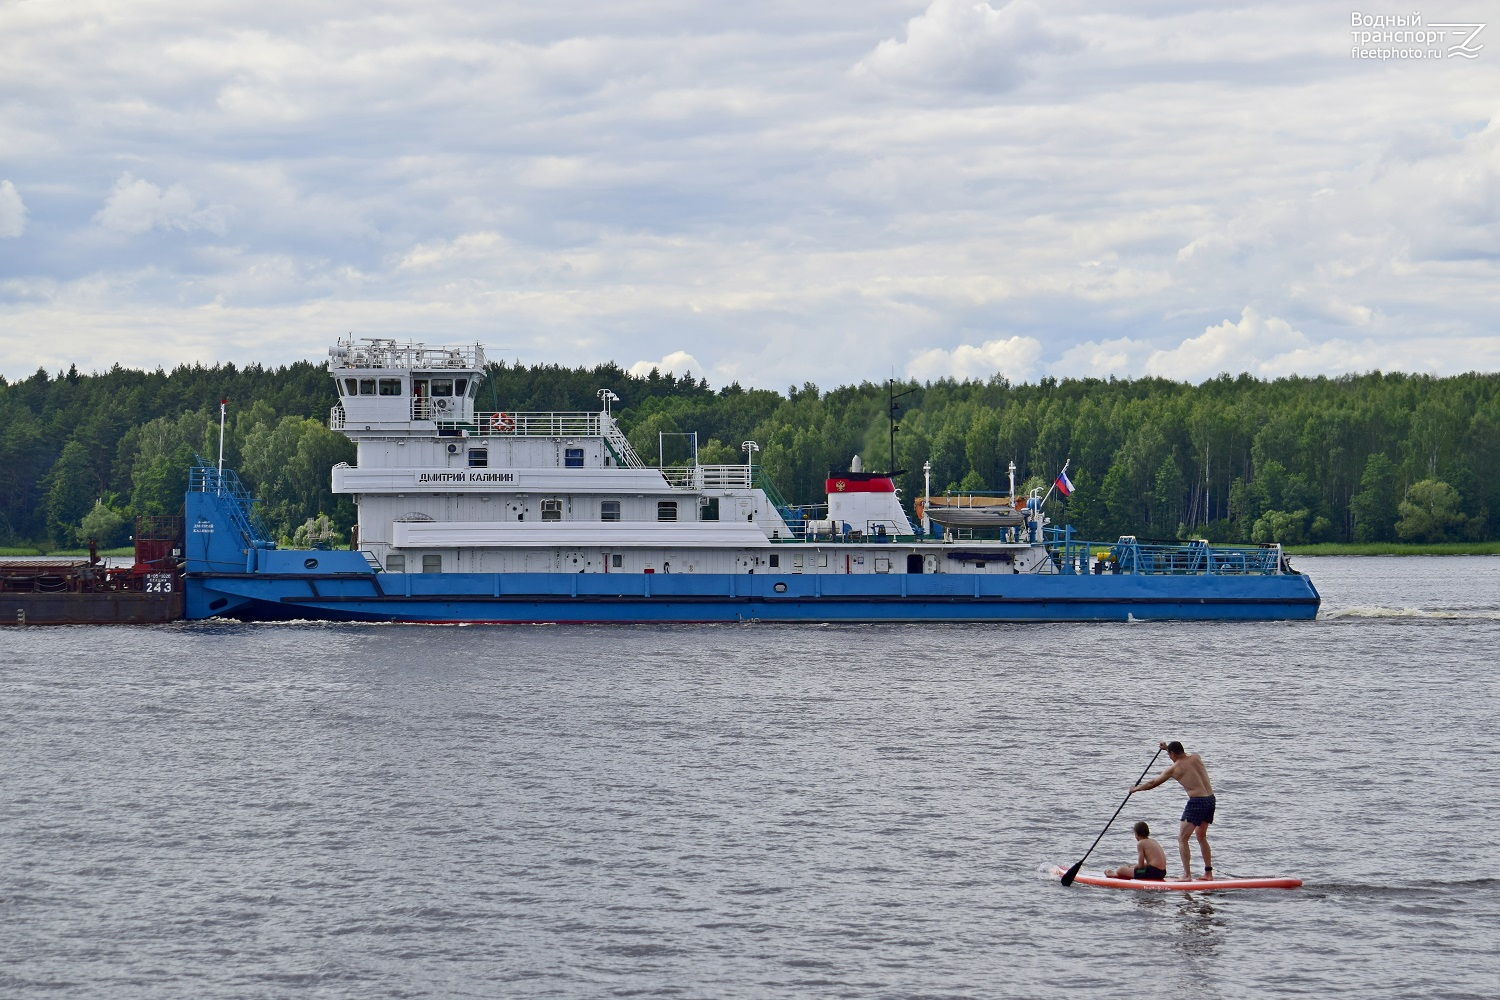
(1188, 770)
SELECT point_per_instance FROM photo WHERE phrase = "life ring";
(504, 423)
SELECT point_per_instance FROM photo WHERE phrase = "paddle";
(1072, 873)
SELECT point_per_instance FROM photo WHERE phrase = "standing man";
(1190, 773)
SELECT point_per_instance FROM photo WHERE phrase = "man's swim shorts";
(1199, 810)
(1151, 873)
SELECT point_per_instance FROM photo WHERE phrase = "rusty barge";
(90, 592)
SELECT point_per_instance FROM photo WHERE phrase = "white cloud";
(1014, 357)
(965, 43)
(12, 211)
(771, 189)
(679, 363)
(137, 206)
(1230, 346)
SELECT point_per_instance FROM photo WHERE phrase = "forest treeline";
(1374, 457)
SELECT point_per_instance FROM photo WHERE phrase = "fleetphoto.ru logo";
(1404, 36)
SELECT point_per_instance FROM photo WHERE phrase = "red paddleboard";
(1107, 882)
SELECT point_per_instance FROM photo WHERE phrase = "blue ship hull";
(233, 573)
(561, 597)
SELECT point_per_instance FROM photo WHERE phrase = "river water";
(221, 810)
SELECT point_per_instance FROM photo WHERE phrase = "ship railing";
(512, 424)
(236, 500)
(727, 477)
(1197, 557)
(711, 477)
(336, 417)
(381, 353)
(681, 477)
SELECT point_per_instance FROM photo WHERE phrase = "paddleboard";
(1104, 881)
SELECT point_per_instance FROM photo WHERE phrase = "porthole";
(310, 563)
(780, 588)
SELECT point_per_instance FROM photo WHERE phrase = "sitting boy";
(1150, 859)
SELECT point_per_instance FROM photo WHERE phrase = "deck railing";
(1163, 558)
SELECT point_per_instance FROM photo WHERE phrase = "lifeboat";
(973, 511)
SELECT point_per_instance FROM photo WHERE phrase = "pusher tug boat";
(474, 516)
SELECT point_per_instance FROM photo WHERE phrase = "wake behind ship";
(477, 516)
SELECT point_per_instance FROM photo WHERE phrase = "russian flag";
(1064, 484)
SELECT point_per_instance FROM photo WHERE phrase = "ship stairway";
(235, 500)
(619, 445)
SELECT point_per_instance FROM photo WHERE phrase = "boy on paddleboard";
(1190, 773)
(1150, 859)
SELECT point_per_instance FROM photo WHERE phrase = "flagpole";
(1054, 482)
(223, 403)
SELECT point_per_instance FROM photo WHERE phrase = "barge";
(90, 592)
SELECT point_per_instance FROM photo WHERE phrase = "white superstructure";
(446, 486)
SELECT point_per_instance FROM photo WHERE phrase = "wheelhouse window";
(460, 386)
(479, 458)
(666, 510)
(395, 563)
(367, 387)
(609, 510)
(390, 387)
(551, 510)
(351, 386)
(442, 387)
(573, 458)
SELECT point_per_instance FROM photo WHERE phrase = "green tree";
(103, 524)
(1289, 527)
(1374, 506)
(72, 487)
(1430, 513)
(1166, 498)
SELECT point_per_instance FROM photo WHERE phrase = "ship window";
(460, 386)
(708, 509)
(822, 558)
(367, 387)
(473, 388)
(775, 560)
(551, 510)
(351, 387)
(442, 387)
(432, 564)
(609, 510)
(479, 458)
(616, 561)
(395, 563)
(390, 387)
(573, 458)
(666, 510)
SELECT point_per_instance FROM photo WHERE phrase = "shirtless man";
(1150, 859)
(1190, 773)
